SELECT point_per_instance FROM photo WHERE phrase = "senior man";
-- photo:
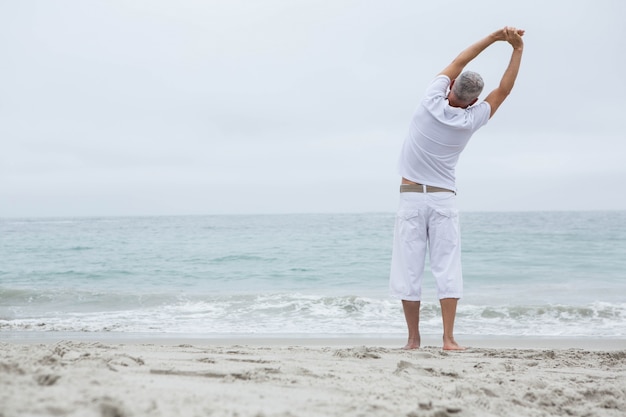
(427, 217)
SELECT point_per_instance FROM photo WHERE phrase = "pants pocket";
(447, 224)
(409, 225)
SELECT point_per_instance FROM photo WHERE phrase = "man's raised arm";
(456, 66)
(497, 96)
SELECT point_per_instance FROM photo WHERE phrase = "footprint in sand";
(360, 353)
(408, 368)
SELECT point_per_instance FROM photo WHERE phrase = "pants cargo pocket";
(447, 224)
(409, 225)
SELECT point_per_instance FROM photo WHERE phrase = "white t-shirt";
(437, 135)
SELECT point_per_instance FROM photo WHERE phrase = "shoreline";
(387, 341)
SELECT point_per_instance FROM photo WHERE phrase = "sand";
(275, 377)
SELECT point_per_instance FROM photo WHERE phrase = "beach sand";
(310, 377)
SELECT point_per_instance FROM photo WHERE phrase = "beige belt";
(419, 188)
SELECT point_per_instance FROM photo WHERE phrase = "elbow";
(506, 89)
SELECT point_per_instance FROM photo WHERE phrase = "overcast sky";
(277, 106)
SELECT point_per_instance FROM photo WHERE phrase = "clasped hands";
(511, 35)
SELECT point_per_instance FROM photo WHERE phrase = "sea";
(540, 274)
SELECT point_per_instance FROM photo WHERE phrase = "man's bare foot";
(452, 345)
(412, 344)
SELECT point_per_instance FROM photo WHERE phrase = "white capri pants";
(426, 222)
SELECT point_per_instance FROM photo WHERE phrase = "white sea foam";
(312, 314)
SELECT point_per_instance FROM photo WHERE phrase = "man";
(427, 216)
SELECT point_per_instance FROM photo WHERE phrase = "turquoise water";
(540, 274)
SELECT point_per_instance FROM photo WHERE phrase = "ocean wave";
(597, 319)
(242, 258)
(289, 313)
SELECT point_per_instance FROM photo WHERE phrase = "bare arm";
(456, 66)
(497, 96)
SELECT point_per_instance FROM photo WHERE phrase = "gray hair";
(468, 86)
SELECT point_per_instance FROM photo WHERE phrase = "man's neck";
(454, 103)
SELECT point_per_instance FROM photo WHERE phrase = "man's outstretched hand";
(514, 37)
(511, 35)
